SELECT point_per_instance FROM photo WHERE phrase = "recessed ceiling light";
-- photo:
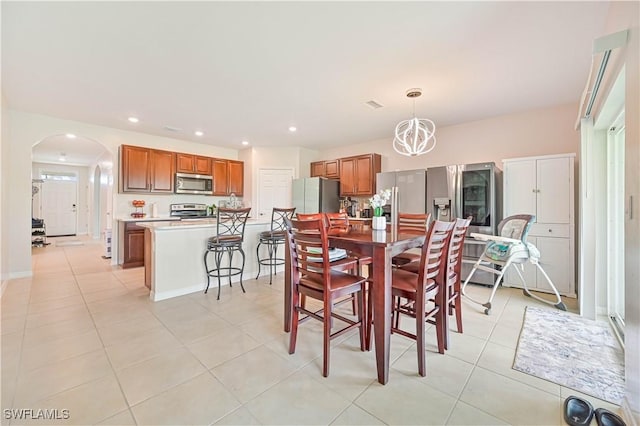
(245, 142)
(70, 135)
(292, 129)
(199, 133)
(133, 119)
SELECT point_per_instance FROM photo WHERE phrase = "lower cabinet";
(555, 257)
(133, 246)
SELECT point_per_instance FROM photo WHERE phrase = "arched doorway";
(85, 161)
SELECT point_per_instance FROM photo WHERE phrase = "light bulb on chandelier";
(415, 136)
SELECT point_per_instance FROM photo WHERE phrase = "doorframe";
(615, 230)
(592, 272)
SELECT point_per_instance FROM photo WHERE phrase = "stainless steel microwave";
(187, 183)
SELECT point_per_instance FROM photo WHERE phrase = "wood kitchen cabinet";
(228, 177)
(133, 246)
(358, 174)
(236, 178)
(146, 170)
(189, 163)
(329, 169)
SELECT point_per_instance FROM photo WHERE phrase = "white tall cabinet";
(544, 186)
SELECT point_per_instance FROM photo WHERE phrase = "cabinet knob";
(550, 230)
(533, 190)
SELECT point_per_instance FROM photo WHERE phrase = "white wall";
(26, 129)
(626, 15)
(4, 192)
(538, 132)
(82, 221)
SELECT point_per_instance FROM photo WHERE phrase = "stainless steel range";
(190, 211)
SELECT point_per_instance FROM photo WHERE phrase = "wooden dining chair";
(312, 275)
(454, 266)
(410, 223)
(339, 222)
(427, 287)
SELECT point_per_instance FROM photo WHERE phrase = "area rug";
(571, 351)
(69, 243)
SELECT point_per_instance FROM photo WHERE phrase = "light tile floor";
(82, 336)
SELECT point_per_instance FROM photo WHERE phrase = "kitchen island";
(174, 254)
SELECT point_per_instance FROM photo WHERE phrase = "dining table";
(381, 246)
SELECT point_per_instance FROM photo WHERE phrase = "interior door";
(274, 190)
(59, 207)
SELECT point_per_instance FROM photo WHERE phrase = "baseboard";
(23, 274)
(630, 418)
(156, 297)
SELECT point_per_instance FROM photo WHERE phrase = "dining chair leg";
(420, 334)
(369, 315)
(361, 318)
(295, 317)
(442, 322)
(327, 337)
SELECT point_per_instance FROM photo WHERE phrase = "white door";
(274, 190)
(59, 207)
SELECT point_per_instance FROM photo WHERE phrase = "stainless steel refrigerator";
(468, 190)
(410, 195)
(315, 195)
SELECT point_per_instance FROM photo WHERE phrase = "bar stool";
(273, 238)
(228, 239)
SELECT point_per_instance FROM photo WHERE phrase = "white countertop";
(146, 219)
(192, 223)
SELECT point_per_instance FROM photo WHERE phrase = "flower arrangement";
(378, 200)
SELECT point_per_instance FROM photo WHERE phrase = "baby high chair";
(510, 248)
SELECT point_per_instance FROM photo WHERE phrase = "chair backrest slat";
(434, 253)
(308, 248)
(456, 244)
(413, 223)
(339, 221)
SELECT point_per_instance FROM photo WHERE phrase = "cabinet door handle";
(630, 207)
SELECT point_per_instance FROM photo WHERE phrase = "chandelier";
(415, 136)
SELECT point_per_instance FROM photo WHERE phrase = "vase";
(379, 223)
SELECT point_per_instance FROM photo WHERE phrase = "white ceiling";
(246, 70)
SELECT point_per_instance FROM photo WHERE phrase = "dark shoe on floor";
(605, 417)
(577, 411)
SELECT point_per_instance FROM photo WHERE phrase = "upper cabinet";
(358, 174)
(236, 177)
(189, 163)
(152, 170)
(228, 177)
(328, 169)
(146, 170)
